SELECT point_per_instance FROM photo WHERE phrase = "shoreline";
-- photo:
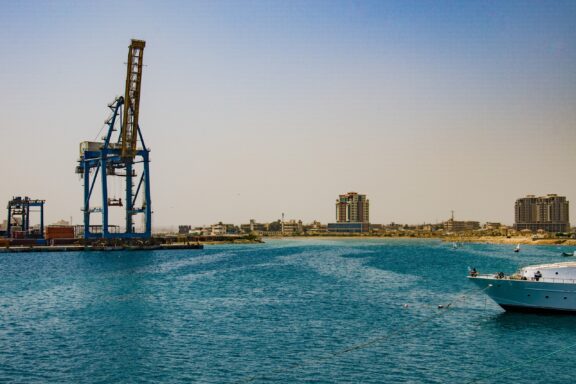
(446, 239)
(515, 240)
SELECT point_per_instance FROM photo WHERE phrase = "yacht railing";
(532, 279)
(555, 280)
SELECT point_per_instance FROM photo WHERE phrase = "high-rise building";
(549, 213)
(352, 208)
(352, 214)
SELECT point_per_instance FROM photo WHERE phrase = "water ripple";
(278, 312)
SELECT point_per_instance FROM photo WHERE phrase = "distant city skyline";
(254, 109)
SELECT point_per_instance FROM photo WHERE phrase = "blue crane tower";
(121, 154)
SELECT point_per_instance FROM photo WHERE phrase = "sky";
(257, 108)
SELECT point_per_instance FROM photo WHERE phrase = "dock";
(98, 248)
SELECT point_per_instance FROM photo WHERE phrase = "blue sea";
(287, 311)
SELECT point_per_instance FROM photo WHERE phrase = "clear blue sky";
(254, 108)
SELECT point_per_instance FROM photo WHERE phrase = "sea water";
(288, 311)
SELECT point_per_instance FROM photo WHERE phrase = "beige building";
(352, 208)
(292, 227)
(253, 226)
(452, 225)
(492, 226)
(549, 213)
(352, 214)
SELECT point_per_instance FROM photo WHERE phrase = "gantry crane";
(118, 156)
(20, 207)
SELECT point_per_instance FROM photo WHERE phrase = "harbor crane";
(120, 154)
(20, 208)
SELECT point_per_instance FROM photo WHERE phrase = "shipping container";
(18, 234)
(59, 232)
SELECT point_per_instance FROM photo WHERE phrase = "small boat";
(567, 254)
(517, 249)
(535, 288)
(454, 245)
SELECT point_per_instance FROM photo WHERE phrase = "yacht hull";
(529, 295)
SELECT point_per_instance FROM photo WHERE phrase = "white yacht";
(535, 288)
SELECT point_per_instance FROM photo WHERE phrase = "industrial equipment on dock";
(18, 224)
(120, 155)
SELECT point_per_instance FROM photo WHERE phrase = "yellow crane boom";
(132, 98)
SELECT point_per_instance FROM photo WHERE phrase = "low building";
(427, 227)
(184, 229)
(452, 225)
(253, 226)
(217, 229)
(349, 227)
(223, 229)
(314, 227)
(291, 227)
